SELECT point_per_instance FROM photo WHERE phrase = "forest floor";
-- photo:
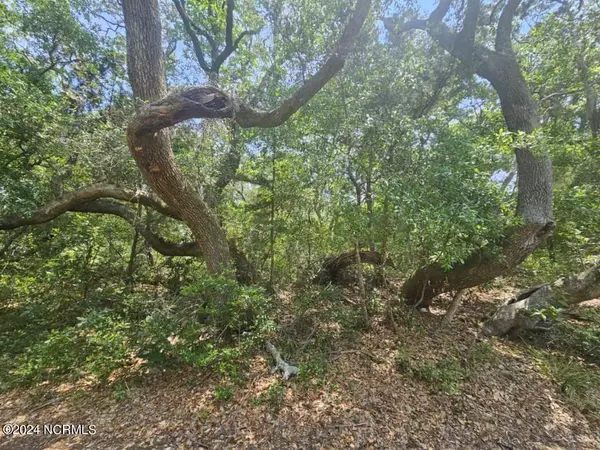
(419, 387)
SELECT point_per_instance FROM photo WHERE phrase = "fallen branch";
(287, 370)
(520, 313)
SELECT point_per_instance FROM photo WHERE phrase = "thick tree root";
(287, 370)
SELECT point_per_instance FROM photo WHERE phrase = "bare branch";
(211, 41)
(229, 49)
(195, 41)
(246, 116)
(505, 25)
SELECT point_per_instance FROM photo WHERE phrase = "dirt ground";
(364, 402)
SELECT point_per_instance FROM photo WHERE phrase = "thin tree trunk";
(133, 252)
(361, 284)
(456, 302)
(272, 220)
(384, 246)
(369, 199)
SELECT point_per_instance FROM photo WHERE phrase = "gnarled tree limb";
(287, 370)
(155, 241)
(246, 116)
(66, 202)
(151, 147)
(534, 170)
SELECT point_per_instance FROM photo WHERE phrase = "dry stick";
(44, 405)
(346, 299)
(456, 301)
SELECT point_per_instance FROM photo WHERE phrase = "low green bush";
(212, 323)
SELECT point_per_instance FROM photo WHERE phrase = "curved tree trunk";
(333, 265)
(517, 313)
(147, 134)
(152, 150)
(534, 169)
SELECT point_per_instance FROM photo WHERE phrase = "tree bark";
(517, 313)
(534, 169)
(456, 302)
(149, 141)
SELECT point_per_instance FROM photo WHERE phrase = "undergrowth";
(212, 323)
(446, 374)
(578, 381)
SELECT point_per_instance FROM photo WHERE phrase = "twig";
(44, 405)
(353, 303)
(349, 425)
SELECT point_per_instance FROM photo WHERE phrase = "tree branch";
(211, 102)
(68, 201)
(187, 25)
(155, 241)
(438, 14)
(246, 116)
(504, 30)
(181, 105)
(229, 49)
(476, 57)
(467, 34)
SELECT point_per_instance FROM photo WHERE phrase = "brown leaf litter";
(365, 402)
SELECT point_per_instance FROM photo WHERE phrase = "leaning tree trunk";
(152, 149)
(534, 169)
(517, 313)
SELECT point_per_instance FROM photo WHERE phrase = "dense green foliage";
(404, 151)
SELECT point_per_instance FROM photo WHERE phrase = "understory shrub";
(213, 322)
